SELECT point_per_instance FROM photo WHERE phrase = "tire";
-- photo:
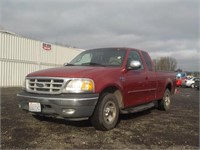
(164, 103)
(192, 85)
(106, 113)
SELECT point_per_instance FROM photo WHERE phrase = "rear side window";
(148, 61)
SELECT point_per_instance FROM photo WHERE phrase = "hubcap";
(110, 112)
(167, 100)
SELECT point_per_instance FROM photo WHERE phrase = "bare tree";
(166, 64)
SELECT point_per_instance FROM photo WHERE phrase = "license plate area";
(34, 107)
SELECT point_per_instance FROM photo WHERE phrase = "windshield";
(100, 57)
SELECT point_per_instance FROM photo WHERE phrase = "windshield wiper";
(68, 64)
(92, 64)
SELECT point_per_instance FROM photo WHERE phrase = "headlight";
(25, 84)
(80, 85)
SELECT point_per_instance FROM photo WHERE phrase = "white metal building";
(20, 56)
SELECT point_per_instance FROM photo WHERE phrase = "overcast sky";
(161, 27)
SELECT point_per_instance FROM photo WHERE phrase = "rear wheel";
(192, 85)
(164, 103)
(106, 113)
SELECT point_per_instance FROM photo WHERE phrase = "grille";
(44, 86)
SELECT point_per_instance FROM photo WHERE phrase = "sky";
(164, 28)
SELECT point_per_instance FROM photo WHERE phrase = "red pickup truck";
(98, 84)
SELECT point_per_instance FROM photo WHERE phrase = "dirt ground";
(177, 128)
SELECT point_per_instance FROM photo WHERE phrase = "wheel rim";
(110, 112)
(192, 85)
(167, 100)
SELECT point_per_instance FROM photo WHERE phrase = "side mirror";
(65, 64)
(68, 64)
(134, 65)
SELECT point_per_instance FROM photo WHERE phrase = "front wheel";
(164, 103)
(192, 86)
(106, 113)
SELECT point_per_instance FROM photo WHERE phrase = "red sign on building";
(46, 47)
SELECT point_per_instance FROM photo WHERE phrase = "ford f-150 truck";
(98, 84)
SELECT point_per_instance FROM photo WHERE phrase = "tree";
(166, 64)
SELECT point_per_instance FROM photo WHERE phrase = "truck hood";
(74, 72)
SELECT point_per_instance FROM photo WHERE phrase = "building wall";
(20, 56)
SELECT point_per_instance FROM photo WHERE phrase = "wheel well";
(114, 90)
(169, 87)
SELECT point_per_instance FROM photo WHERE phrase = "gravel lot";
(152, 129)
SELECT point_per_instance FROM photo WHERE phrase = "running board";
(137, 108)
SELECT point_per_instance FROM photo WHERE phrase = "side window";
(134, 55)
(148, 61)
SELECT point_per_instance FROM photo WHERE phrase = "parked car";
(181, 78)
(178, 81)
(181, 74)
(196, 83)
(190, 82)
(184, 81)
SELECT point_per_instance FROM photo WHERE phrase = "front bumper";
(58, 105)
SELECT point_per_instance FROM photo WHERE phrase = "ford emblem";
(41, 85)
